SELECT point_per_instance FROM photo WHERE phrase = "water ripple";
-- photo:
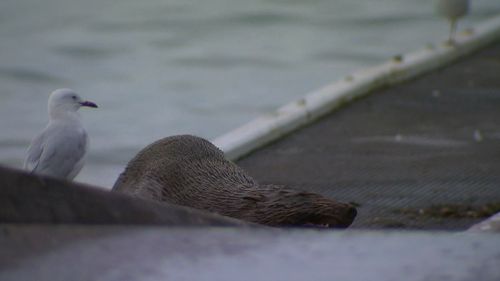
(23, 74)
(226, 61)
(86, 52)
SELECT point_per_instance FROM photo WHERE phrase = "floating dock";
(421, 155)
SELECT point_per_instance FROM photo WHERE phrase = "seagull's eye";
(73, 97)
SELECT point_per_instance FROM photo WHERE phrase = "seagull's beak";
(88, 104)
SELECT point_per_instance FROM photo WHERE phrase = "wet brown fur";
(191, 171)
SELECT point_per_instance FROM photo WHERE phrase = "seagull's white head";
(63, 101)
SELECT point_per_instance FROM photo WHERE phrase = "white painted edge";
(296, 114)
(492, 224)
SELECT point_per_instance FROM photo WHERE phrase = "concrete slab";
(492, 224)
(52, 253)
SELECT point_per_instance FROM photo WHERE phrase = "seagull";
(452, 10)
(59, 150)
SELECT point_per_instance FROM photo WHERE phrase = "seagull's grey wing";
(63, 153)
(34, 152)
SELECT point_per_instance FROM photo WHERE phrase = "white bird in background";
(59, 151)
(452, 10)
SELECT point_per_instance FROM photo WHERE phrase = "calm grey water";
(163, 67)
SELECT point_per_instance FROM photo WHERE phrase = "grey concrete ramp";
(27, 198)
(420, 155)
(119, 253)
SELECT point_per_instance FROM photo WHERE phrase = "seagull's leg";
(453, 28)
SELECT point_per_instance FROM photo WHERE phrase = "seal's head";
(288, 207)
(328, 215)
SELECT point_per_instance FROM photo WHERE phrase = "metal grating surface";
(422, 155)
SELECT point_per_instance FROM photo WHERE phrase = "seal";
(191, 171)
